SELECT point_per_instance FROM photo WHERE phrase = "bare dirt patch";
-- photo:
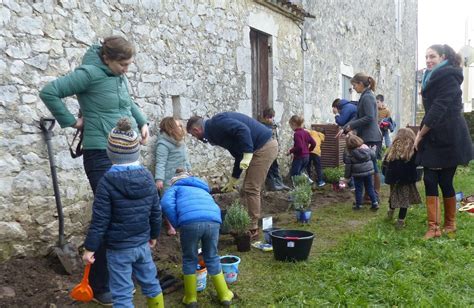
(42, 282)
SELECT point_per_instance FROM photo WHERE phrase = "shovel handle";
(47, 124)
(85, 277)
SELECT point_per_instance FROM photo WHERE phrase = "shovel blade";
(67, 255)
(82, 293)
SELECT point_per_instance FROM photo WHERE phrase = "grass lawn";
(359, 259)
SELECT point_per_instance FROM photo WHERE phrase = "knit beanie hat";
(180, 174)
(123, 146)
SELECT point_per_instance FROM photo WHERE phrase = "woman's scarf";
(427, 74)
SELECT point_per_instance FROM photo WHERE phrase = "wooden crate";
(332, 148)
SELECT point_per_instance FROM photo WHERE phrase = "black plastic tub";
(291, 245)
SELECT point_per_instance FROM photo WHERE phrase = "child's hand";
(88, 257)
(152, 243)
(159, 185)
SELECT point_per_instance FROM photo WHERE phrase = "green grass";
(359, 259)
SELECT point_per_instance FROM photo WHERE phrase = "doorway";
(261, 53)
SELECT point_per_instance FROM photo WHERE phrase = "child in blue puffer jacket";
(126, 216)
(190, 207)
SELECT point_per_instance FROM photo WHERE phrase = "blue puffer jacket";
(347, 112)
(236, 133)
(188, 201)
(126, 211)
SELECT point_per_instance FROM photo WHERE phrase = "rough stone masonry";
(193, 57)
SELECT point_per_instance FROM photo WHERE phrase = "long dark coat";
(448, 143)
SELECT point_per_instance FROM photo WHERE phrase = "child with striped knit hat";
(127, 218)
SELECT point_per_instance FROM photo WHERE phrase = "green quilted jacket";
(103, 98)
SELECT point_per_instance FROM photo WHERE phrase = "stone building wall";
(193, 57)
(348, 37)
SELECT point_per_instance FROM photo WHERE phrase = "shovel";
(83, 291)
(66, 252)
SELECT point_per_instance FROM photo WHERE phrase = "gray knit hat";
(123, 146)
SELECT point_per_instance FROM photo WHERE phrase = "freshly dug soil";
(42, 281)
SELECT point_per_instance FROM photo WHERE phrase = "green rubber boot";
(156, 302)
(190, 292)
(223, 292)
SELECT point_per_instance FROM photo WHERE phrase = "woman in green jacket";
(100, 86)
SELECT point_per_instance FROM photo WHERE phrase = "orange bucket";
(83, 291)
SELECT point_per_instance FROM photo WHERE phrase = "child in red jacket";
(303, 145)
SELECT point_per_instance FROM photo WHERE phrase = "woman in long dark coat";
(443, 142)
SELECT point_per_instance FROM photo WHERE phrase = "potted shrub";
(333, 176)
(237, 222)
(301, 196)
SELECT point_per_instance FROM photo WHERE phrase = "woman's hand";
(342, 132)
(418, 140)
(145, 134)
(159, 184)
(79, 123)
(152, 243)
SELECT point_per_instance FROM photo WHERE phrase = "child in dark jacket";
(358, 160)
(273, 180)
(303, 145)
(190, 207)
(400, 173)
(127, 217)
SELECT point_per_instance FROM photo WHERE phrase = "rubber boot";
(434, 217)
(449, 216)
(223, 292)
(190, 292)
(156, 302)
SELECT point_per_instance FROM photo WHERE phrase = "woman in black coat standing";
(443, 142)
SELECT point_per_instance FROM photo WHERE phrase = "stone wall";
(193, 57)
(348, 37)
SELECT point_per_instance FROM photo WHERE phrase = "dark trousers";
(96, 163)
(273, 175)
(442, 178)
(359, 183)
(298, 165)
(315, 160)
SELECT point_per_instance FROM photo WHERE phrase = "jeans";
(386, 137)
(208, 234)
(96, 163)
(443, 178)
(124, 263)
(315, 160)
(298, 165)
(359, 183)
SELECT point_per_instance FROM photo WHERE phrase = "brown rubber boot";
(449, 215)
(434, 217)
